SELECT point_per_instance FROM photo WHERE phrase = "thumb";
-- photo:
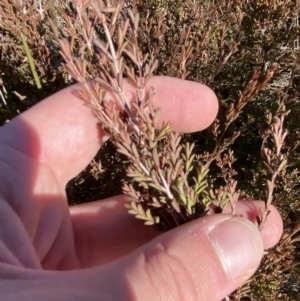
(205, 259)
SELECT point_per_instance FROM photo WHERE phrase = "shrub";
(246, 51)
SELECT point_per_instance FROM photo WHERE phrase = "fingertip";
(190, 106)
(272, 231)
(223, 252)
(273, 228)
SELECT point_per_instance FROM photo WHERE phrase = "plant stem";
(31, 62)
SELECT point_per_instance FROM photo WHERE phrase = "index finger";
(66, 135)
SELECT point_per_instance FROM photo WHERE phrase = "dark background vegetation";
(219, 43)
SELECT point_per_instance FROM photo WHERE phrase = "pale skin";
(97, 251)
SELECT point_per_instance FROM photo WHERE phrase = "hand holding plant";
(169, 185)
(93, 249)
(167, 182)
(112, 48)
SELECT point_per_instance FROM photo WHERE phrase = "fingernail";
(239, 245)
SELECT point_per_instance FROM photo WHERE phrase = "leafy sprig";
(167, 184)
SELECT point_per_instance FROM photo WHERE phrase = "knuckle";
(166, 268)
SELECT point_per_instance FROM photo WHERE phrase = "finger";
(188, 105)
(108, 222)
(62, 133)
(104, 231)
(203, 260)
(272, 230)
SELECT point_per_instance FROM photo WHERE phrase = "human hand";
(97, 251)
